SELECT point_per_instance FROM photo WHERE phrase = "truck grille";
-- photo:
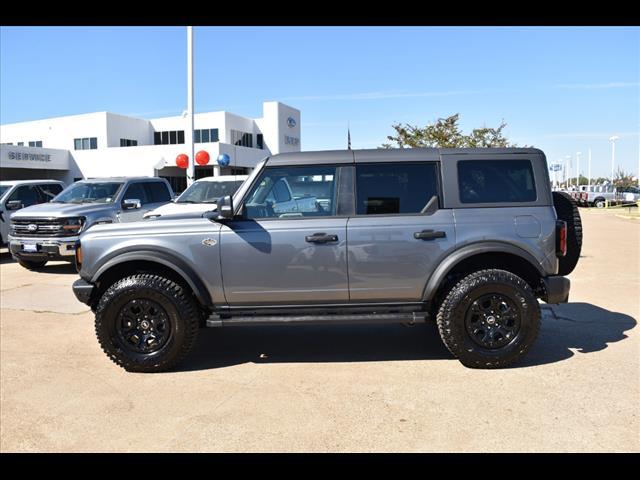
(39, 227)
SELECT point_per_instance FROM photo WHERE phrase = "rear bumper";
(83, 290)
(556, 289)
(46, 248)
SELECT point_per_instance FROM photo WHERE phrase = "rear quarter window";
(496, 181)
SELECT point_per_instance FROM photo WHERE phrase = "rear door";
(400, 231)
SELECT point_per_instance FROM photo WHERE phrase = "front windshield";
(208, 192)
(3, 188)
(89, 192)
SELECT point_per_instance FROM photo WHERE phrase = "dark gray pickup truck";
(470, 238)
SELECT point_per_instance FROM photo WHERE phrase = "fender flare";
(457, 256)
(159, 256)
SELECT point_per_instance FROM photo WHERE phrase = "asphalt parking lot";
(339, 388)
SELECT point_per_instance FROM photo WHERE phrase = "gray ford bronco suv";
(470, 238)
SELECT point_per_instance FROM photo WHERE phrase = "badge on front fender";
(209, 242)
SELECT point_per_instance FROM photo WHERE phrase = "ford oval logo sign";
(291, 122)
(32, 227)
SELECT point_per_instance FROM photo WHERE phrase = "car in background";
(18, 194)
(201, 196)
(44, 232)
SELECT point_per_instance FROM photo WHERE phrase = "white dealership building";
(104, 144)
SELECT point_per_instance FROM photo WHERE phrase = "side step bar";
(333, 319)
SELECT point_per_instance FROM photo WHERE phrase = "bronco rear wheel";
(567, 210)
(489, 319)
(147, 323)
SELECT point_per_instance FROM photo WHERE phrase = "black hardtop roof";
(387, 154)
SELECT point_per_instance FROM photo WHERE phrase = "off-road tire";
(567, 210)
(181, 310)
(31, 265)
(453, 311)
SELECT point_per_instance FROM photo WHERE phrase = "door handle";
(429, 235)
(321, 238)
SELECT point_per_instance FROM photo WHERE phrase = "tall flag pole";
(348, 137)
(191, 170)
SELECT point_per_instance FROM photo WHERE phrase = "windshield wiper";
(186, 201)
(209, 201)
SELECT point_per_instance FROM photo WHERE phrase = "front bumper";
(45, 248)
(556, 289)
(83, 290)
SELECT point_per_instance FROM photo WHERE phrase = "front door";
(399, 233)
(151, 194)
(289, 246)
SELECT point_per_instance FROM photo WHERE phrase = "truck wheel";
(32, 265)
(599, 203)
(489, 319)
(567, 210)
(147, 323)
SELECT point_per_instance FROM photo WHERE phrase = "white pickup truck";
(600, 195)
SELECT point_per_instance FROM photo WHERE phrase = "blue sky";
(560, 89)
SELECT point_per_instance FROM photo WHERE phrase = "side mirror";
(14, 205)
(131, 204)
(225, 207)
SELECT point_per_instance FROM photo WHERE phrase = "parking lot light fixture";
(613, 139)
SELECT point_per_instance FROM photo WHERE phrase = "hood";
(181, 208)
(62, 210)
(151, 228)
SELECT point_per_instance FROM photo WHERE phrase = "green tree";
(623, 179)
(446, 133)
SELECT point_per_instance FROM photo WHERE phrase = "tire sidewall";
(107, 318)
(453, 311)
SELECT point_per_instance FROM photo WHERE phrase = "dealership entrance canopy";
(104, 144)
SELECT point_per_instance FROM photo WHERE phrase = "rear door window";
(157, 192)
(395, 188)
(496, 181)
(49, 190)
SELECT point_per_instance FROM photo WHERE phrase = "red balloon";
(202, 157)
(182, 161)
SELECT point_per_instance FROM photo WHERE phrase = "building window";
(168, 138)
(85, 143)
(7, 143)
(260, 141)
(125, 142)
(20, 144)
(243, 139)
(205, 135)
(35, 143)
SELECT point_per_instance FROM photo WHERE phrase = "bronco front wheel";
(146, 323)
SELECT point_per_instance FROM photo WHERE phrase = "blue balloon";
(224, 160)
